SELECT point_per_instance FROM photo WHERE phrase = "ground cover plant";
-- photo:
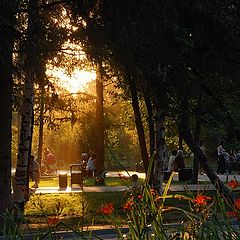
(207, 217)
(196, 215)
(144, 211)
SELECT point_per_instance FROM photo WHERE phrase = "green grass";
(109, 181)
(72, 209)
(77, 209)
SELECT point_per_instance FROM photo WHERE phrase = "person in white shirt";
(171, 162)
(91, 165)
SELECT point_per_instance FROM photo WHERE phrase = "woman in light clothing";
(171, 162)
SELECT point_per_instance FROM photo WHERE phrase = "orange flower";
(201, 199)
(158, 198)
(128, 205)
(107, 209)
(52, 220)
(237, 203)
(233, 184)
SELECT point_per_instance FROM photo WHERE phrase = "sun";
(75, 82)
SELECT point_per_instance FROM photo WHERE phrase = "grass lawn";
(83, 209)
(109, 181)
(73, 209)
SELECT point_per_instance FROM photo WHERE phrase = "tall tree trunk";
(150, 120)
(18, 126)
(6, 91)
(180, 140)
(197, 140)
(138, 122)
(99, 126)
(160, 146)
(184, 126)
(41, 122)
(24, 149)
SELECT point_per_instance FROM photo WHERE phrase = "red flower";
(237, 203)
(52, 220)
(128, 205)
(201, 199)
(233, 184)
(231, 214)
(140, 196)
(107, 209)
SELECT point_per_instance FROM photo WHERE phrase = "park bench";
(76, 174)
(184, 174)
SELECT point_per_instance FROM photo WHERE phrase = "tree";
(24, 149)
(186, 133)
(8, 34)
(99, 138)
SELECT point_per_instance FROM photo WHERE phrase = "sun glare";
(74, 83)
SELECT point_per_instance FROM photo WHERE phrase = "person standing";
(202, 147)
(221, 152)
(83, 162)
(34, 171)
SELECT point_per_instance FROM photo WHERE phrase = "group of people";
(47, 167)
(176, 161)
(88, 166)
(227, 162)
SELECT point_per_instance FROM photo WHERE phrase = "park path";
(205, 185)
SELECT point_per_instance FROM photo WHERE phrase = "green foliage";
(207, 217)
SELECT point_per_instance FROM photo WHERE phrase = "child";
(136, 187)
